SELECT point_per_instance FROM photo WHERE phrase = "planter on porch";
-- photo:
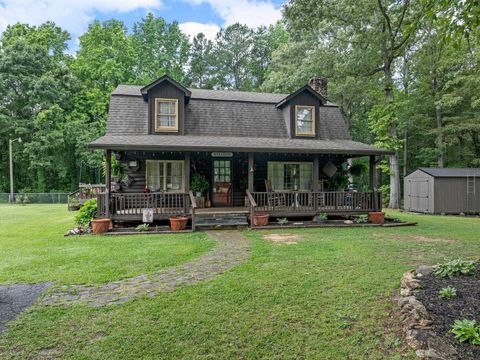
(376, 217)
(178, 222)
(100, 226)
(260, 219)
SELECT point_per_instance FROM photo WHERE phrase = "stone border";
(416, 320)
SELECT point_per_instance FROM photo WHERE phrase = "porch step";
(215, 220)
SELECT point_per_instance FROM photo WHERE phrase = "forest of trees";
(405, 73)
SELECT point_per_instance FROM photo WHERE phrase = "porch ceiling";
(236, 144)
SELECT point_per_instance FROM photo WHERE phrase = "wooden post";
(373, 174)
(316, 175)
(186, 172)
(250, 172)
(108, 180)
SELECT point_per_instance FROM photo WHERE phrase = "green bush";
(361, 219)
(467, 331)
(448, 292)
(142, 227)
(22, 199)
(87, 213)
(455, 268)
(199, 184)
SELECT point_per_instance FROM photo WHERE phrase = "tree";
(36, 88)
(201, 70)
(160, 48)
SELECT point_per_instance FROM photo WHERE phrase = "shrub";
(282, 221)
(448, 292)
(467, 331)
(455, 268)
(22, 199)
(142, 227)
(361, 219)
(199, 184)
(87, 213)
(322, 217)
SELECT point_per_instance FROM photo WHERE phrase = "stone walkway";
(231, 249)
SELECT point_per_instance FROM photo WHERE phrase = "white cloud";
(192, 28)
(253, 13)
(73, 15)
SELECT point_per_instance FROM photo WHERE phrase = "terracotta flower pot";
(100, 226)
(260, 219)
(376, 217)
(178, 223)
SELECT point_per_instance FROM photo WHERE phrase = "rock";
(348, 222)
(424, 270)
(426, 354)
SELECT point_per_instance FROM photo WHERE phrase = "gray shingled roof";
(128, 115)
(212, 143)
(225, 95)
(217, 119)
(451, 172)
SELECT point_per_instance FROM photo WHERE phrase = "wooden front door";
(222, 182)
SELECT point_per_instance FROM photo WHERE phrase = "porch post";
(250, 172)
(186, 171)
(316, 172)
(373, 174)
(108, 180)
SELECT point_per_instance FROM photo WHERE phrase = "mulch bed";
(466, 305)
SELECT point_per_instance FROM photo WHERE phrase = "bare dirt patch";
(420, 238)
(283, 239)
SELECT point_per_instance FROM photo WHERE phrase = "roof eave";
(120, 147)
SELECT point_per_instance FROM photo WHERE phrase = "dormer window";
(166, 115)
(304, 120)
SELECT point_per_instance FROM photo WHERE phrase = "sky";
(194, 16)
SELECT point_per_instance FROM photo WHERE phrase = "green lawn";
(327, 297)
(33, 249)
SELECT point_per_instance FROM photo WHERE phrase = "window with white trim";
(290, 175)
(304, 120)
(166, 115)
(165, 175)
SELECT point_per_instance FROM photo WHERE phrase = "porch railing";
(309, 202)
(131, 205)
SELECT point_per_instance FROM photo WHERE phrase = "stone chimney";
(320, 85)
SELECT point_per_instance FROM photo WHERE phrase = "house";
(258, 151)
(443, 190)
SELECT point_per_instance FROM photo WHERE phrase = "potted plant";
(322, 218)
(199, 185)
(260, 219)
(376, 217)
(178, 222)
(86, 217)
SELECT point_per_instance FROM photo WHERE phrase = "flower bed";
(429, 317)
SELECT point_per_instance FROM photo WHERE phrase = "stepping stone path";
(232, 248)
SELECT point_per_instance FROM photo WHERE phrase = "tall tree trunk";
(405, 151)
(438, 122)
(394, 202)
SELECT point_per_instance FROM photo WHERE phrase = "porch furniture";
(222, 193)
(275, 199)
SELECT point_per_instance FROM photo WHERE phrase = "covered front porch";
(240, 183)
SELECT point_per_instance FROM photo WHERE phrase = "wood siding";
(166, 91)
(307, 99)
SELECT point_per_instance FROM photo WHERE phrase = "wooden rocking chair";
(274, 199)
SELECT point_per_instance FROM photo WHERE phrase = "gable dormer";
(301, 112)
(166, 106)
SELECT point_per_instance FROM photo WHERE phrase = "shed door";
(418, 193)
